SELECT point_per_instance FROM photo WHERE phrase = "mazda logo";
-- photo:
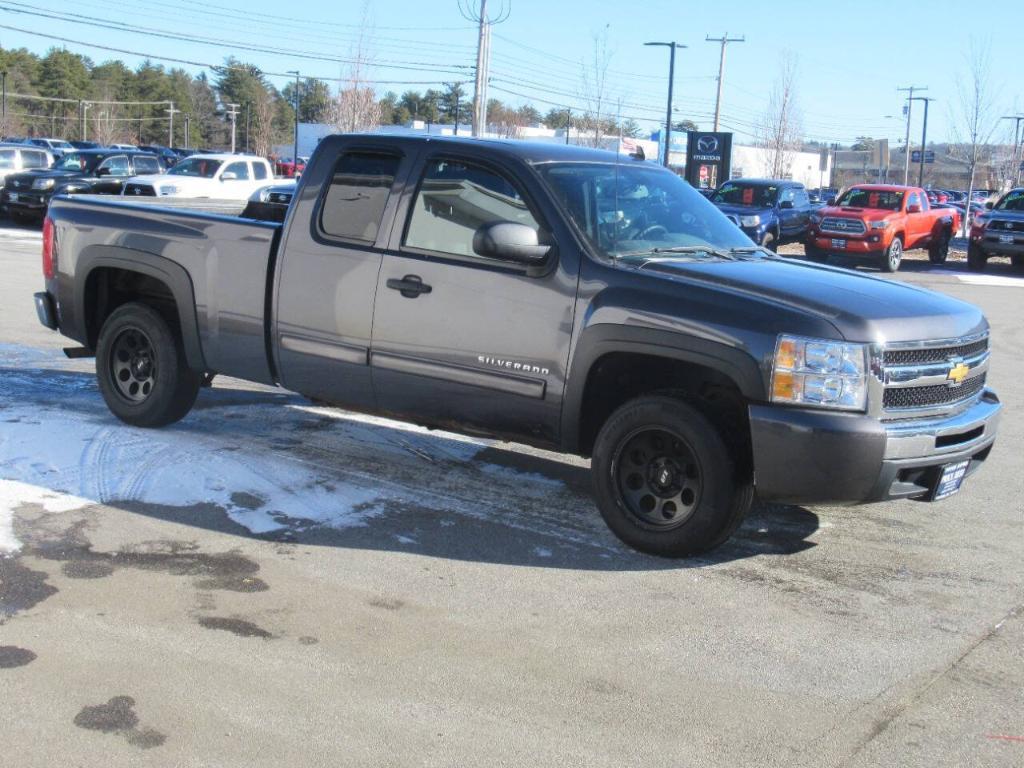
(707, 144)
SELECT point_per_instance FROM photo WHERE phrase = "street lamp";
(295, 148)
(671, 78)
(1017, 161)
(924, 136)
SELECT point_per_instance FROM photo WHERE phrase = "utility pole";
(248, 125)
(1018, 160)
(906, 144)
(671, 78)
(85, 119)
(3, 76)
(233, 114)
(568, 124)
(171, 111)
(295, 146)
(483, 57)
(724, 40)
(188, 129)
(924, 138)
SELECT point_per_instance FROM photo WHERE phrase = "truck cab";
(769, 211)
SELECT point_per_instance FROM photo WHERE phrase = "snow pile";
(13, 494)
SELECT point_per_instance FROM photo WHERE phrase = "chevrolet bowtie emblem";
(957, 374)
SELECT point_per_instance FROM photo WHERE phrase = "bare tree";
(975, 119)
(594, 82)
(355, 108)
(106, 128)
(780, 130)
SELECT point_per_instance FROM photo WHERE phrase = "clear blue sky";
(851, 57)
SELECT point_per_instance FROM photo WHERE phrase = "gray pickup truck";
(558, 296)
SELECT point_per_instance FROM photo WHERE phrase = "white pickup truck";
(221, 177)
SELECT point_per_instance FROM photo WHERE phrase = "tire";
(141, 368)
(665, 482)
(769, 242)
(976, 258)
(890, 261)
(939, 250)
(1017, 261)
(815, 254)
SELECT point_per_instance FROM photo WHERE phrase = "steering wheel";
(653, 232)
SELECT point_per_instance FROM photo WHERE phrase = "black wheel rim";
(657, 477)
(133, 365)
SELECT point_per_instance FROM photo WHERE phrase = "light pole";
(233, 114)
(171, 111)
(924, 137)
(671, 78)
(1017, 145)
(3, 76)
(295, 147)
(85, 119)
(188, 128)
(910, 100)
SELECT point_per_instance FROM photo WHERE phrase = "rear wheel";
(141, 368)
(1017, 261)
(665, 481)
(893, 256)
(939, 250)
(976, 258)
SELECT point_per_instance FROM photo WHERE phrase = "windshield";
(196, 166)
(754, 195)
(872, 198)
(73, 161)
(629, 208)
(1012, 201)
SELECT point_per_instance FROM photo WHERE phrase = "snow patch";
(13, 494)
(994, 280)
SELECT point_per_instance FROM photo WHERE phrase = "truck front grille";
(921, 379)
(841, 226)
(926, 355)
(997, 226)
(139, 190)
(932, 396)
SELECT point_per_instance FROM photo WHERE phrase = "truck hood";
(187, 186)
(850, 212)
(861, 307)
(24, 180)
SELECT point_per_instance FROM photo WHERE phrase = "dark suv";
(999, 231)
(89, 171)
(769, 211)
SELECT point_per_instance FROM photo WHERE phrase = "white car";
(218, 177)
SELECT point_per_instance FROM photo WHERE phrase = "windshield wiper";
(752, 249)
(679, 249)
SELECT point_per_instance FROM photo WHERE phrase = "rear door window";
(354, 204)
(146, 165)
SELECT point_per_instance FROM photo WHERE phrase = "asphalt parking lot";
(273, 583)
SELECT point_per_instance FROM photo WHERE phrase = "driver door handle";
(409, 286)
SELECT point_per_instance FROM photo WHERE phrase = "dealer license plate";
(838, 243)
(950, 480)
(13, 197)
(1006, 239)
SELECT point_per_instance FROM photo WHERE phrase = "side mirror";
(786, 204)
(988, 205)
(229, 176)
(913, 208)
(102, 172)
(510, 241)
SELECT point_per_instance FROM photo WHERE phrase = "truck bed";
(224, 262)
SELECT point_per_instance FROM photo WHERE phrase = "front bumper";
(992, 246)
(26, 202)
(865, 245)
(817, 457)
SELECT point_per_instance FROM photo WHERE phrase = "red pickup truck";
(882, 221)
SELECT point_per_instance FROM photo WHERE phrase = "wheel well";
(618, 377)
(107, 288)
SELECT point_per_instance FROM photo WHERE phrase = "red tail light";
(49, 257)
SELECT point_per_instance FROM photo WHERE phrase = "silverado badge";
(957, 374)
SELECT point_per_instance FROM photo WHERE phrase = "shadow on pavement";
(447, 498)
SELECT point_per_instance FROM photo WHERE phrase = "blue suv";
(769, 211)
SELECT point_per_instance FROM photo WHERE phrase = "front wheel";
(1017, 261)
(975, 258)
(815, 254)
(893, 256)
(141, 368)
(665, 481)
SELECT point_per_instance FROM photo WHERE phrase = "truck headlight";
(878, 224)
(820, 373)
(168, 189)
(42, 183)
(749, 221)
